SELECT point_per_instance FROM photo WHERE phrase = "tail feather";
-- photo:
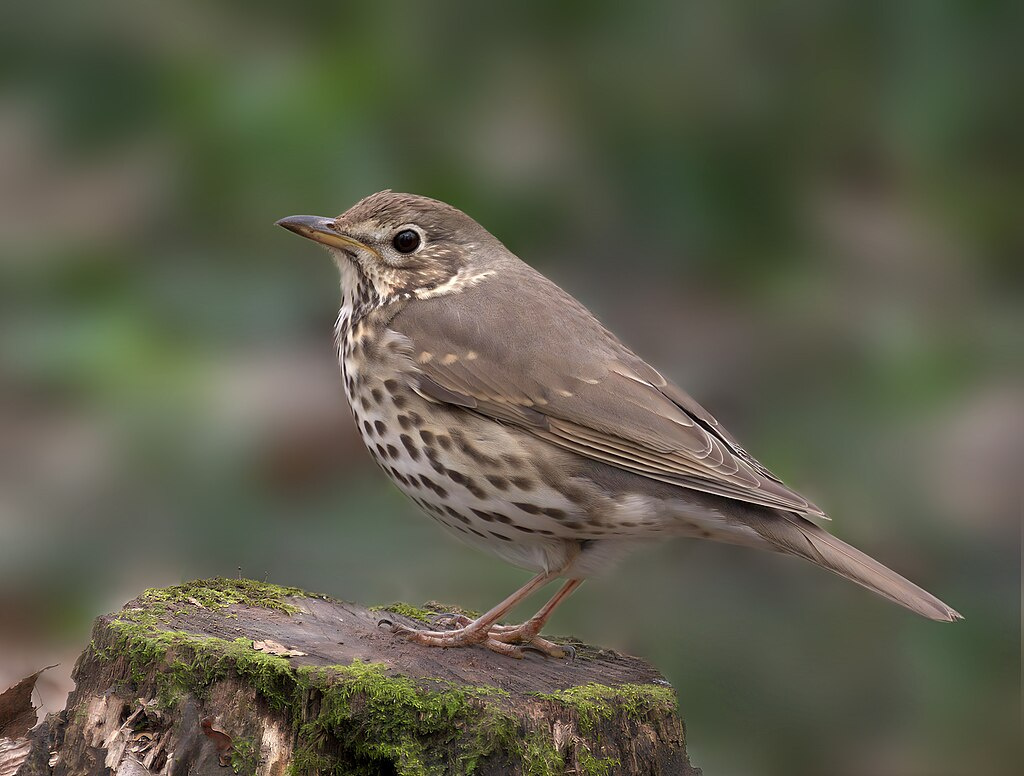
(795, 535)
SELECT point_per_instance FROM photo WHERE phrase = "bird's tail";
(794, 535)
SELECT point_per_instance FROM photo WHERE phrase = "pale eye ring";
(406, 241)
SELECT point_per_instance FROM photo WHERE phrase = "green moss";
(593, 703)
(446, 608)
(592, 765)
(538, 755)
(380, 717)
(407, 610)
(424, 613)
(220, 592)
(373, 717)
(193, 663)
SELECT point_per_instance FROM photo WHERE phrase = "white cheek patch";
(464, 278)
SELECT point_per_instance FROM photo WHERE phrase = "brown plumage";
(513, 417)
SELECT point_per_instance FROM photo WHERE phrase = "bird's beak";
(319, 229)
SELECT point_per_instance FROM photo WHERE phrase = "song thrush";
(504, 409)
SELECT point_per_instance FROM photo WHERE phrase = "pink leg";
(527, 632)
(477, 631)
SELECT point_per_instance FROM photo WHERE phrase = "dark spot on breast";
(380, 426)
(391, 385)
(499, 536)
(477, 491)
(404, 422)
(573, 525)
(457, 515)
(377, 395)
(414, 452)
(427, 437)
(399, 476)
(445, 441)
(466, 447)
(523, 483)
(381, 451)
(367, 427)
(429, 483)
(458, 477)
(558, 514)
(413, 482)
(499, 482)
(530, 509)
(398, 400)
(523, 528)
(393, 451)
(545, 532)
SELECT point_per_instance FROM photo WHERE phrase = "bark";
(222, 676)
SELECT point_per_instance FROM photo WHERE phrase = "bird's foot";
(450, 620)
(509, 640)
(527, 636)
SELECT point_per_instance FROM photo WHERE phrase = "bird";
(515, 419)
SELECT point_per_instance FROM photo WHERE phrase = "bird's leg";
(477, 631)
(527, 632)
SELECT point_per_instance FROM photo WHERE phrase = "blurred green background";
(808, 213)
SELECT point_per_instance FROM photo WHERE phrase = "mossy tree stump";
(231, 675)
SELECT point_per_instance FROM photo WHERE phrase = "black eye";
(406, 241)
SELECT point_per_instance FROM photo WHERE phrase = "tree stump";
(230, 675)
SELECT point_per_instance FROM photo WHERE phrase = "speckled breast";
(480, 479)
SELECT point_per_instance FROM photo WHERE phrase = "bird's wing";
(548, 366)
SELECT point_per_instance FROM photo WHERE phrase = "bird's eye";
(406, 241)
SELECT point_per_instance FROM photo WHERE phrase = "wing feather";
(553, 370)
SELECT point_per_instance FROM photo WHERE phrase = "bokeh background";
(808, 213)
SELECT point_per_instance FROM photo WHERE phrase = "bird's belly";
(496, 486)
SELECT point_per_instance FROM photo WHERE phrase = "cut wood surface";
(221, 676)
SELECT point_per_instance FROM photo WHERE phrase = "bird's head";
(400, 244)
